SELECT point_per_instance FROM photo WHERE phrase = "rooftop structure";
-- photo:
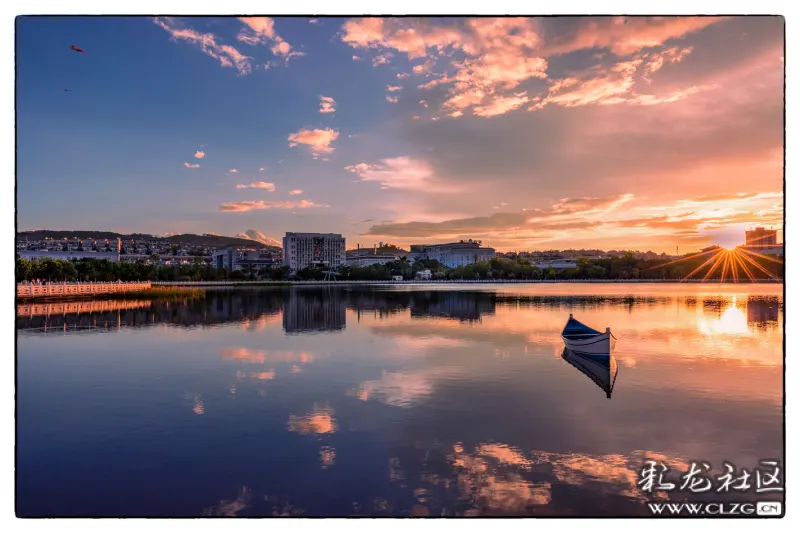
(452, 254)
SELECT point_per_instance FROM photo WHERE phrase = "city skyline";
(524, 133)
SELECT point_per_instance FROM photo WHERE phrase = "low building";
(67, 256)
(453, 254)
(238, 258)
(368, 259)
(424, 274)
(556, 265)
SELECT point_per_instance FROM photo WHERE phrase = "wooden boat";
(584, 340)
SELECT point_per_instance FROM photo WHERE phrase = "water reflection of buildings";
(600, 369)
(458, 305)
(762, 312)
(314, 310)
(324, 309)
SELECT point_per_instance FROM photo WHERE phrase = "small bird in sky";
(78, 49)
(68, 90)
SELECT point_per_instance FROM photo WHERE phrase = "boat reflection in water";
(602, 369)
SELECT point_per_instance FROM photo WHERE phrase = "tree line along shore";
(625, 267)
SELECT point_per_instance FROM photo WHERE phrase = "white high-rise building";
(301, 250)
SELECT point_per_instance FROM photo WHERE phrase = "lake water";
(393, 401)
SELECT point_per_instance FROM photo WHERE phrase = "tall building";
(761, 237)
(452, 254)
(301, 250)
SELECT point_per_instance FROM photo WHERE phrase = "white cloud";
(327, 104)
(258, 185)
(241, 207)
(261, 30)
(398, 173)
(227, 55)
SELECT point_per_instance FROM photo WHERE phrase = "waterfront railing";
(44, 290)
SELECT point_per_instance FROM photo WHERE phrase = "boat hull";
(602, 344)
(602, 369)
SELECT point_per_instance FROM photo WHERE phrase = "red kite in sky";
(78, 49)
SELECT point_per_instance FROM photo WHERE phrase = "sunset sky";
(525, 133)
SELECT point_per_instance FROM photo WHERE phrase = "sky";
(643, 133)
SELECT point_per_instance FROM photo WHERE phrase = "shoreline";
(451, 282)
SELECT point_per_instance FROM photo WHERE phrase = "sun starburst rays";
(729, 263)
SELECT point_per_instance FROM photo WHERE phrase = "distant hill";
(217, 241)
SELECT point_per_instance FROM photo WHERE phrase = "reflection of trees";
(217, 308)
(763, 312)
(458, 305)
(309, 309)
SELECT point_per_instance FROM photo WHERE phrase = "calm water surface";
(404, 401)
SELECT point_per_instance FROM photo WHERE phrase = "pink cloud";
(318, 141)
(381, 59)
(392, 99)
(626, 35)
(233, 171)
(500, 53)
(499, 106)
(296, 192)
(327, 104)
(241, 207)
(258, 185)
(399, 173)
(656, 60)
(261, 30)
(227, 55)
(191, 165)
(616, 85)
(199, 154)
(393, 88)
(423, 68)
